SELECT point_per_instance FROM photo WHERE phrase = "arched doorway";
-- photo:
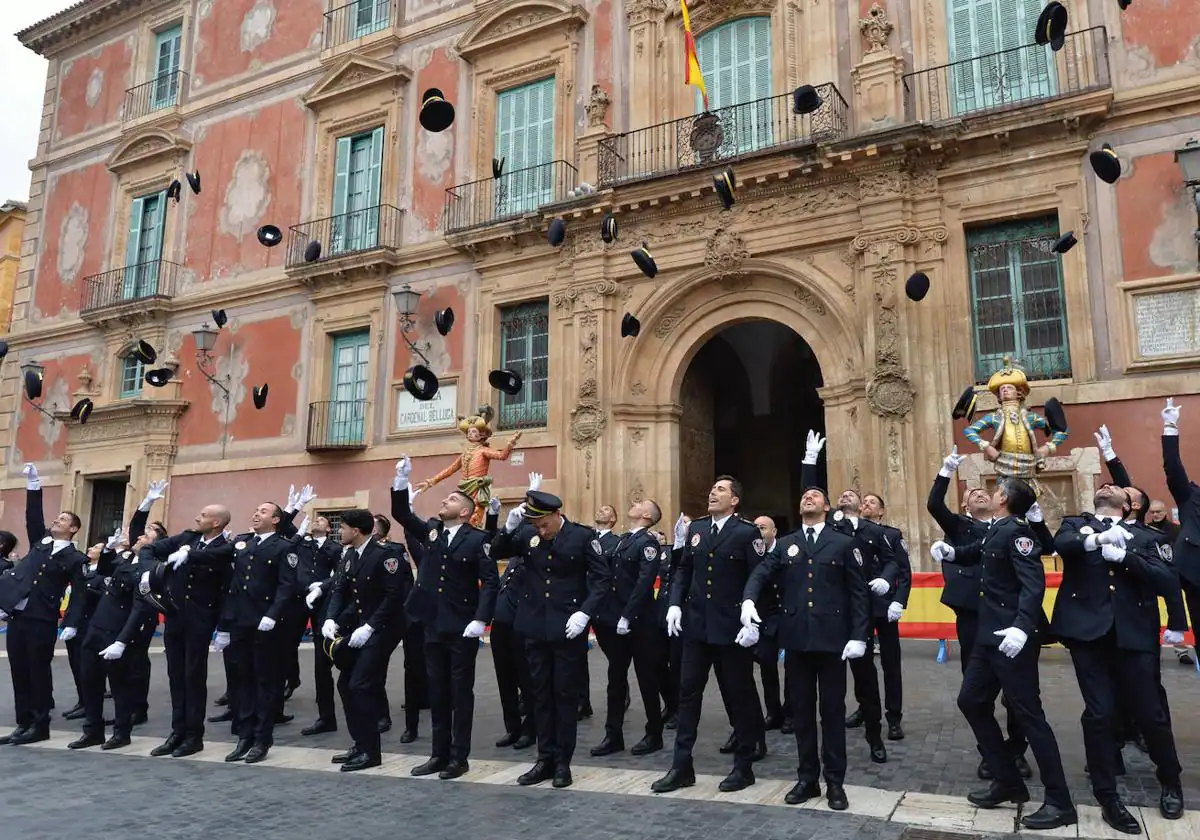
(748, 398)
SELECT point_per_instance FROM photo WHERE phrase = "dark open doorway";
(108, 508)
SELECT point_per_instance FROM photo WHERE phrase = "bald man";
(197, 565)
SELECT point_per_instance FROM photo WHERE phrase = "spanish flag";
(692, 74)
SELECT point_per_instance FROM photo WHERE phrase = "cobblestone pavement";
(922, 784)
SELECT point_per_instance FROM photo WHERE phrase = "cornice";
(48, 36)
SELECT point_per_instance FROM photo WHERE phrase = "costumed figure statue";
(475, 461)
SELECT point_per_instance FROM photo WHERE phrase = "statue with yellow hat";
(475, 461)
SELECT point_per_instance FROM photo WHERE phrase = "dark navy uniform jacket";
(633, 563)
(40, 580)
(711, 577)
(1012, 581)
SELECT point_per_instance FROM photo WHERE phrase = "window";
(348, 387)
(144, 248)
(735, 59)
(1010, 67)
(132, 372)
(367, 16)
(356, 192)
(335, 522)
(525, 348)
(525, 142)
(166, 68)
(1019, 307)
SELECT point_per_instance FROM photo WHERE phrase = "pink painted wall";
(237, 36)
(91, 88)
(433, 170)
(13, 516)
(76, 238)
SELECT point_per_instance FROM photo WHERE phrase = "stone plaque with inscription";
(413, 415)
(1168, 323)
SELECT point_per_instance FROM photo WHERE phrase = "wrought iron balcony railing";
(719, 136)
(158, 94)
(1010, 78)
(337, 424)
(510, 196)
(372, 228)
(358, 19)
(132, 284)
(1032, 331)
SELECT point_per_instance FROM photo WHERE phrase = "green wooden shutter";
(351, 361)
(133, 246)
(341, 190)
(166, 71)
(735, 59)
(973, 27)
(525, 139)
(374, 184)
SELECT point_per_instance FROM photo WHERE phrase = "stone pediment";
(352, 75)
(518, 20)
(146, 146)
(130, 421)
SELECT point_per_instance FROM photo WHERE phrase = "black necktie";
(445, 536)
(811, 534)
(715, 530)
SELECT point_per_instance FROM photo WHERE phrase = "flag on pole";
(692, 74)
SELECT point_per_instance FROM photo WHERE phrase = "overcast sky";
(21, 91)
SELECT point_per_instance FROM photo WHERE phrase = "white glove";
(854, 650)
(1104, 441)
(158, 489)
(674, 621)
(1115, 535)
(941, 551)
(145, 581)
(32, 482)
(623, 626)
(513, 522)
(306, 495)
(747, 636)
(1172, 637)
(314, 592)
(895, 610)
(951, 462)
(361, 636)
(303, 529)
(114, 651)
(576, 624)
(1170, 418)
(413, 492)
(266, 624)
(67, 634)
(403, 471)
(177, 558)
(114, 540)
(749, 614)
(812, 448)
(1035, 513)
(535, 481)
(879, 586)
(474, 630)
(3, 615)
(1113, 553)
(293, 499)
(681, 529)
(494, 507)
(329, 629)
(1014, 639)
(221, 641)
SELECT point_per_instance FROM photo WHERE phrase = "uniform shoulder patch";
(760, 548)
(487, 549)
(433, 534)
(144, 587)
(535, 541)
(650, 553)
(1024, 546)
(838, 516)
(1086, 530)
(347, 565)
(239, 545)
(793, 550)
(47, 540)
(695, 540)
(293, 560)
(596, 547)
(858, 558)
(1166, 553)
(391, 564)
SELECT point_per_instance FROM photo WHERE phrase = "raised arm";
(35, 521)
(1177, 478)
(500, 454)
(813, 445)
(936, 503)
(1116, 469)
(402, 510)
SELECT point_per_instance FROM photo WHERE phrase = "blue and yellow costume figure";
(1013, 447)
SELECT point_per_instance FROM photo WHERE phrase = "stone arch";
(517, 19)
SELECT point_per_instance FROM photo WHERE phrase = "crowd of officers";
(719, 594)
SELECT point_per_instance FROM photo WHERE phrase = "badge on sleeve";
(793, 550)
(760, 548)
(433, 534)
(695, 540)
(107, 581)
(47, 540)
(293, 560)
(596, 547)
(391, 564)
(144, 587)
(1024, 546)
(487, 550)
(239, 545)
(1087, 530)
(650, 553)
(1165, 552)
(904, 545)
(535, 541)
(838, 516)
(858, 556)
(347, 565)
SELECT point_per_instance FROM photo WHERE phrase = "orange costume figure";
(475, 461)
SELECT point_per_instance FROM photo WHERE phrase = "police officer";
(1187, 498)
(261, 584)
(1012, 626)
(513, 681)
(564, 580)
(366, 607)
(766, 652)
(627, 631)
(823, 622)
(455, 599)
(319, 556)
(605, 523)
(30, 595)
(412, 634)
(874, 509)
(670, 655)
(718, 554)
(78, 614)
(1107, 615)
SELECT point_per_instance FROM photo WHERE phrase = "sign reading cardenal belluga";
(437, 413)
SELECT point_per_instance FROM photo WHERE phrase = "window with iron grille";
(1018, 305)
(525, 349)
(132, 371)
(335, 521)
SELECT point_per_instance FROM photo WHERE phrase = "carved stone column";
(586, 145)
(878, 77)
(845, 446)
(646, 18)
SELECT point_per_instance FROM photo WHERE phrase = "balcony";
(365, 236)
(160, 94)
(132, 290)
(721, 136)
(358, 20)
(1010, 79)
(337, 424)
(1031, 330)
(511, 196)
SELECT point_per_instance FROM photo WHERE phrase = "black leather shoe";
(671, 722)
(342, 758)
(408, 736)
(608, 746)
(456, 768)
(225, 717)
(385, 725)
(320, 727)
(760, 751)
(1050, 816)
(1170, 802)
(86, 741)
(802, 792)
(729, 746)
(362, 761)
(855, 720)
(562, 778)
(647, 745)
(436, 764)
(984, 772)
(257, 753)
(878, 753)
(1118, 817)
(835, 795)
(116, 742)
(773, 722)
(895, 731)
(8, 739)
(674, 780)
(75, 712)
(190, 746)
(32, 735)
(996, 795)
(281, 719)
(239, 751)
(168, 746)
(788, 727)
(585, 712)
(223, 700)
(139, 719)
(540, 772)
(737, 780)
(1023, 767)
(525, 742)
(508, 740)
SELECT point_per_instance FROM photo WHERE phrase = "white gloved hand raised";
(812, 448)
(515, 517)
(403, 472)
(114, 540)
(474, 630)
(576, 624)
(306, 495)
(623, 626)
(32, 482)
(114, 651)
(67, 634)
(293, 499)
(494, 507)
(854, 650)
(1013, 640)
(535, 481)
(361, 636)
(1104, 442)
(879, 586)
(681, 529)
(674, 621)
(951, 463)
(329, 629)
(747, 636)
(220, 641)
(266, 624)
(895, 611)
(749, 614)
(941, 551)
(1170, 418)
(157, 490)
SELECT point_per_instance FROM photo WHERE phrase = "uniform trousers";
(639, 647)
(513, 682)
(390, 640)
(556, 673)
(359, 686)
(73, 658)
(416, 679)
(967, 628)
(988, 673)
(450, 660)
(766, 654)
(734, 666)
(670, 659)
(817, 680)
(139, 664)
(322, 667)
(295, 619)
(866, 679)
(30, 646)
(95, 670)
(257, 682)
(186, 639)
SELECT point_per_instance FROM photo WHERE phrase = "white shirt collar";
(604, 531)
(771, 547)
(451, 531)
(720, 523)
(817, 527)
(853, 522)
(320, 541)
(262, 538)
(59, 545)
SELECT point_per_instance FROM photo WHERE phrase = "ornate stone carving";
(890, 393)
(637, 389)
(597, 107)
(887, 322)
(876, 27)
(809, 300)
(889, 182)
(637, 434)
(587, 417)
(807, 202)
(514, 22)
(352, 78)
(640, 11)
(160, 455)
(718, 10)
(637, 493)
(725, 252)
(584, 298)
(669, 320)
